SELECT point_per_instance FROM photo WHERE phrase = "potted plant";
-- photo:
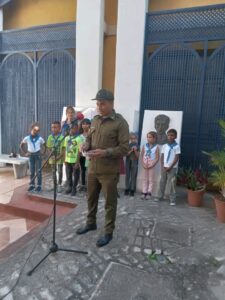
(217, 177)
(195, 180)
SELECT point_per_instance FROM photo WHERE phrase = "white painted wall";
(89, 50)
(129, 58)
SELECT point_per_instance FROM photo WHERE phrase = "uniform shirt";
(33, 143)
(72, 146)
(112, 134)
(57, 142)
(169, 155)
(150, 152)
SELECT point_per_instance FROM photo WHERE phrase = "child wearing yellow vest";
(55, 142)
(72, 159)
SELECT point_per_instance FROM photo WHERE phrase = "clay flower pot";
(195, 198)
(220, 209)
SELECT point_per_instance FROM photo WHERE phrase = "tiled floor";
(20, 212)
(11, 227)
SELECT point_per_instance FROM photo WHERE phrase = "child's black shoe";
(31, 188)
(68, 190)
(126, 192)
(38, 189)
(148, 196)
(143, 196)
(132, 193)
(74, 191)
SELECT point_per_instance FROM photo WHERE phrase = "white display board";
(149, 125)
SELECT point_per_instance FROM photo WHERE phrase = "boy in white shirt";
(34, 144)
(169, 164)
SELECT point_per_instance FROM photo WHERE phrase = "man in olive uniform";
(107, 142)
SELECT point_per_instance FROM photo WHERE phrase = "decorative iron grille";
(39, 38)
(189, 24)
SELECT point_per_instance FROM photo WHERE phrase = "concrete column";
(89, 50)
(129, 58)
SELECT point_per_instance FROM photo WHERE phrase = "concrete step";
(33, 206)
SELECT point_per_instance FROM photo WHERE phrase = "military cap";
(104, 95)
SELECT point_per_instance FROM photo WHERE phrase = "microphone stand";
(54, 247)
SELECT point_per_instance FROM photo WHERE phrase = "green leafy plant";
(193, 179)
(217, 160)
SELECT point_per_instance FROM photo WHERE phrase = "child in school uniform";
(55, 142)
(34, 144)
(70, 120)
(169, 164)
(72, 159)
(149, 159)
(132, 165)
(85, 125)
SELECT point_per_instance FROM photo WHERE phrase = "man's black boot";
(86, 228)
(104, 240)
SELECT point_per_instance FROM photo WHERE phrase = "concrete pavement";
(158, 252)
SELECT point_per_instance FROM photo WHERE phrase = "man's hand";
(97, 153)
(84, 147)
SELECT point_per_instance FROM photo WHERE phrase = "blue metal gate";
(37, 82)
(56, 87)
(181, 75)
(17, 99)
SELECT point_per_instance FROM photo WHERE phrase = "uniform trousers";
(148, 181)
(108, 184)
(72, 175)
(131, 174)
(168, 179)
(35, 168)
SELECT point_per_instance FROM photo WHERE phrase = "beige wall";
(174, 4)
(109, 56)
(111, 11)
(27, 13)
(109, 60)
